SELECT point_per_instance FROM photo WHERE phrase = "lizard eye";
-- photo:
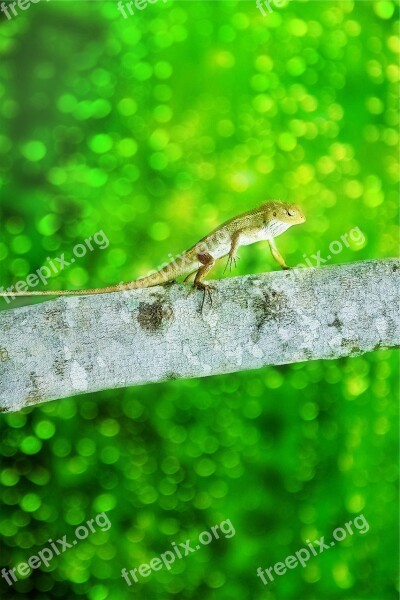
(290, 213)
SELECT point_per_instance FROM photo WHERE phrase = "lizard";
(265, 222)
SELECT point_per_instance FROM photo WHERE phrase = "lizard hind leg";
(188, 277)
(207, 262)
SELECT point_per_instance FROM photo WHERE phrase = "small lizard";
(263, 223)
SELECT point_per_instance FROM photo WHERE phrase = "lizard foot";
(206, 287)
(231, 259)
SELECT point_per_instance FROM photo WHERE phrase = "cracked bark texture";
(74, 345)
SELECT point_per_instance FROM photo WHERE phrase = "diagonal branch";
(76, 345)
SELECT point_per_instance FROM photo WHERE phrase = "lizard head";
(290, 214)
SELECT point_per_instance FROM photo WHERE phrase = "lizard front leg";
(232, 256)
(277, 255)
(208, 262)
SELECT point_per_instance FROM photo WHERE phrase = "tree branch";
(75, 345)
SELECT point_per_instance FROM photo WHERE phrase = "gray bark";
(74, 345)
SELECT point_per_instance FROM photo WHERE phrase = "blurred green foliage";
(155, 129)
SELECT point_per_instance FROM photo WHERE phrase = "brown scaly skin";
(263, 223)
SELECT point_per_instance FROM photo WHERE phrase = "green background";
(155, 129)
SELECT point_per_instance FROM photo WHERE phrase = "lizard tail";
(105, 290)
(178, 267)
(167, 273)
